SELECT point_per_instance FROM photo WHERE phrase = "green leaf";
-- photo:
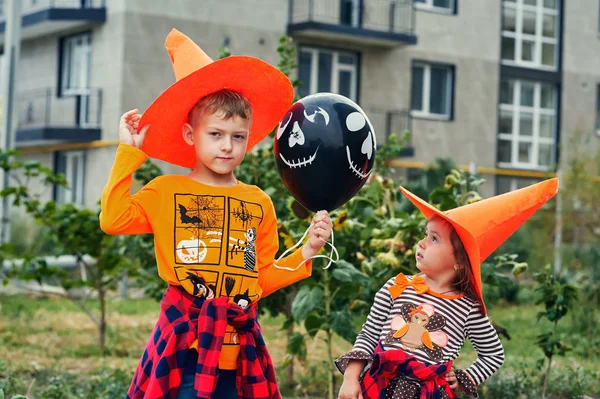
(341, 324)
(296, 346)
(519, 268)
(346, 272)
(306, 300)
(289, 321)
(8, 191)
(359, 304)
(313, 323)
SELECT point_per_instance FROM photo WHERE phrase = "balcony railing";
(385, 16)
(32, 6)
(42, 108)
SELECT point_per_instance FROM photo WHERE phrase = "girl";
(418, 324)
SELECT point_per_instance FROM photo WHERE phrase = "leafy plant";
(71, 230)
(558, 298)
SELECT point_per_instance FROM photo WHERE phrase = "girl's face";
(435, 254)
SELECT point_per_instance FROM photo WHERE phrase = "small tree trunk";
(327, 300)
(546, 378)
(330, 372)
(549, 364)
(289, 371)
(102, 324)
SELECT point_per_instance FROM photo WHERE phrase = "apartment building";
(497, 85)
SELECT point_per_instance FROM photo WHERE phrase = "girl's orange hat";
(484, 225)
(269, 91)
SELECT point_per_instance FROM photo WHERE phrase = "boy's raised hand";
(128, 133)
(319, 232)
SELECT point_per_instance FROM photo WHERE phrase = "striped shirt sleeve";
(490, 353)
(371, 331)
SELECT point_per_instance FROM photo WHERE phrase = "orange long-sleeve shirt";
(213, 241)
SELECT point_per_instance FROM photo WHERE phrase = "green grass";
(48, 344)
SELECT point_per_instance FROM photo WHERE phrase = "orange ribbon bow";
(401, 282)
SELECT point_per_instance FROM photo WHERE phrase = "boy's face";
(220, 143)
(435, 254)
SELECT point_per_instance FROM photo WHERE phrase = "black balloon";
(325, 150)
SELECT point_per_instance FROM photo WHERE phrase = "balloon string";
(331, 260)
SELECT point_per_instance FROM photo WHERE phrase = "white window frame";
(336, 67)
(537, 39)
(597, 127)
(81, 45)
(598, 20)
(428, 5)
(516, 108)
(74, 193)
(356, 6)
(424, 113)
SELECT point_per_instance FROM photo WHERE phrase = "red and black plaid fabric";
(184, 318)
(389, 364)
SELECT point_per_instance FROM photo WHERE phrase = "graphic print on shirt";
(236, 287)
(244, 219)
(203, 283)
(218, 233)
(419, 327)
(199, 228)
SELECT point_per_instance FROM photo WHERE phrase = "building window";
(72, 165)
(598, 110)
(437, 5)
(505, 184)
(75, 64)
(432, 87)
(530, 33)
(527, 124)
(350, 11)
(331, 71)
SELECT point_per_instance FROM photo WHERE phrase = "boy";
(215, 237)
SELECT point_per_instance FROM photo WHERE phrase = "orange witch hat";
(269, 91)
(482, 226)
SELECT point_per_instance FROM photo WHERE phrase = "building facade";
(496, 85)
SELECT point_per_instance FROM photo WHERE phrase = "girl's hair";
(230, 102)
(464, 279)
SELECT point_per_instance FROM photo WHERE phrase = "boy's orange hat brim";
(484, 225)
(269, 91)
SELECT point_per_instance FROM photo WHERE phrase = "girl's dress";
(420, 332)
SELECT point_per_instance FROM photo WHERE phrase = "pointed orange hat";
(482, 226)
(269, 91)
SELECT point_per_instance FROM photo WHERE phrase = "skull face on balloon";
(325, 150)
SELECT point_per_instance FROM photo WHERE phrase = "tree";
(139, 248)
(72, 231)
(558, 298)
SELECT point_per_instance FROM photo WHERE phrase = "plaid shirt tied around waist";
(387, 365)
(184, 318)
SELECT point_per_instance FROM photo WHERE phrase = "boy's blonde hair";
(230, 102)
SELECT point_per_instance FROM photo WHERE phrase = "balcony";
(45, 17)
(386, 122)
(44, 118)
(379, 23)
